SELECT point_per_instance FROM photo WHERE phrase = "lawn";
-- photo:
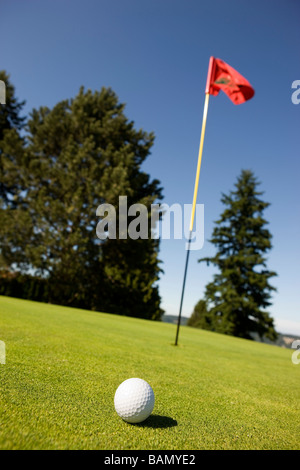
(64, 365)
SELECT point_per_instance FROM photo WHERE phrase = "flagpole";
(205, 110)
(241, 91)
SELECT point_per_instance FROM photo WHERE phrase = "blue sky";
(154, 54)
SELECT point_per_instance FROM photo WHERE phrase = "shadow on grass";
(157, 421)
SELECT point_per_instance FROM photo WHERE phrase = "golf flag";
(222, 76)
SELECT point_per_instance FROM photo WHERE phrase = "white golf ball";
(134, 400)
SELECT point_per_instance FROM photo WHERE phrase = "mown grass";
(64, 365)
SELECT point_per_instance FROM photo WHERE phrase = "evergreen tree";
(11, 181)
(10, 111)
(200, 317)
(78, 155)
(240, 293)
(11, 123)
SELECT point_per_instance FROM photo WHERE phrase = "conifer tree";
(200, 317)
(237, 298)
(11, 123)
(81, 153)
(11, 178)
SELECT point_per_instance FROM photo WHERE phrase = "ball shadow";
(157, 421)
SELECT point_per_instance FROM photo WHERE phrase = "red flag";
(223, 77)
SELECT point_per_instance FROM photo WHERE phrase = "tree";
(240, 293)
(76, 156)
(200, 317)
(11, 151)
(11, 123)
(10, 112)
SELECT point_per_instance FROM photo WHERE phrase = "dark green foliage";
(240, 293)
(11, 123)
(23, 286)
(10, 112)
(74, 157)
(200, 317)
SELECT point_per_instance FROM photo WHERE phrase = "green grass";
(64, 365)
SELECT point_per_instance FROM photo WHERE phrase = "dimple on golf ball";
(134, 400)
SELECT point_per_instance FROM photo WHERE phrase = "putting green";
(64, 365)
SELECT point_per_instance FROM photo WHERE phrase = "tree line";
(58, 165)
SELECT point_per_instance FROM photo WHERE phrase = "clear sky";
(154, 54)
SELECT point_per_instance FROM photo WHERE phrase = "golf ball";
(134, 400)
